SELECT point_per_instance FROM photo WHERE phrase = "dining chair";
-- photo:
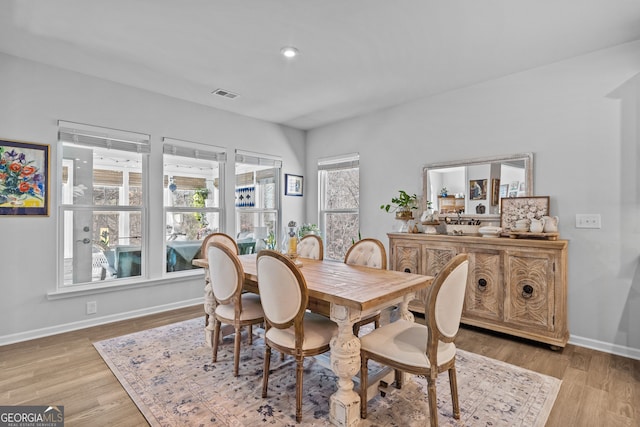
(310, 246)
(420, 349)
(370, 253)
(290, 328)
(232, 305)
(209, 301)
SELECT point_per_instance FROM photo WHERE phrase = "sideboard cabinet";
(514, 286)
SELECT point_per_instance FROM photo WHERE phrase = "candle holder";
(290, 243)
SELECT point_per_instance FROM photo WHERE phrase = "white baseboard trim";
(74, 326)
(620, 350)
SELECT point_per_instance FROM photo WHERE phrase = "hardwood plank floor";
(598, 389)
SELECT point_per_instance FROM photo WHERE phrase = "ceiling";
(357, 56)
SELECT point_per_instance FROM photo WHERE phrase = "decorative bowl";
(490, 231)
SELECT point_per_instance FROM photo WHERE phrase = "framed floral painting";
(24, 178)
(513, 209)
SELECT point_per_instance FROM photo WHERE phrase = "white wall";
(580, 119)
(33, 97)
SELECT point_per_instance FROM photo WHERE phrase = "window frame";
(344, 162)
(267, 162)
(194, 150)
(96, 137)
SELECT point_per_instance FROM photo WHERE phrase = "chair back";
(311, 246)
(367, 252)
(226, 272)
(446, 298)
(283, 289)
(220, 238)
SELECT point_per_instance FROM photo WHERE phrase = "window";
(339, 181)
(193, 202)
(104, 204)
(257, 191)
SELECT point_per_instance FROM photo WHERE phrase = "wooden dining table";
(346, 293)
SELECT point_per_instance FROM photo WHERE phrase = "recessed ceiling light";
(289, 52)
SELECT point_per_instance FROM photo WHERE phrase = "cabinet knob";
(407, 270)
(527, 291)
(482, 285)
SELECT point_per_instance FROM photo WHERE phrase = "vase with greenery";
(308, 229)
(403, 205)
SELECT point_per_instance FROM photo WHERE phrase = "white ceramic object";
(550, 224)
(537, 225)
(490, 231)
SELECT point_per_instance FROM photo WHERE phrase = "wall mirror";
(475, 186)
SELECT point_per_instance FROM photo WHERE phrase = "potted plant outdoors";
(402, 205)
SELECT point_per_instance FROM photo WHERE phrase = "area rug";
(168, 373)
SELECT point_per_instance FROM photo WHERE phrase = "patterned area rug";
(168, 373)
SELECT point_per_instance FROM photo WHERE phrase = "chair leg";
(433, 402)
(265, 373)
(399, 377)
(364, 384)
(236, 350)
(250, 340)
(216, 340)
(453, 383)
(299, 370)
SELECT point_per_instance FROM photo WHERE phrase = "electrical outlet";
(588, 221)
(92, 307)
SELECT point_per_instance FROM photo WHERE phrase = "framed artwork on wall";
(513, 209)
(24, 178)
(478, 189)
(495, 191)
(292, 185)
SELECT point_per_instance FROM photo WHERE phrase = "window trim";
(195, 150)
(347, 161)
(93, 136)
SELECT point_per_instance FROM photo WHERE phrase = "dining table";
(346, 293)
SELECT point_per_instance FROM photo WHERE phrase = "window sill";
(115, 286)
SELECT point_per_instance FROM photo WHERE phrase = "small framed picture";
(495, 191)
(478, 189)
(293, 185)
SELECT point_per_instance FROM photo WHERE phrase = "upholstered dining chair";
(420, 349)
(232, 305)
(209, 301)
(310, 246)
(290, 328)
(370, 253)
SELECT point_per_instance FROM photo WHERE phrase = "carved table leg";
(345, 363)
(405, 314)
(209, 309)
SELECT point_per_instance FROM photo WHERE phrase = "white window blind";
(258, 159)
(177, 148)
(95, 136)
(341, 162)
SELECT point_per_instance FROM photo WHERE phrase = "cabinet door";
(529, 299)
(485, 290)
(434, 258)
(406, 257)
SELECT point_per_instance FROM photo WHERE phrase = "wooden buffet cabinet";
(515, 286)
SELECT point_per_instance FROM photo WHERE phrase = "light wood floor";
(598, 389)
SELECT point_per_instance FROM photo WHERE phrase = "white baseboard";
(620, 350)
(74, 326)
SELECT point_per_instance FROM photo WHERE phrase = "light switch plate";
(588, 221)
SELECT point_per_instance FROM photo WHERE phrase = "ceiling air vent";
(225, 93)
